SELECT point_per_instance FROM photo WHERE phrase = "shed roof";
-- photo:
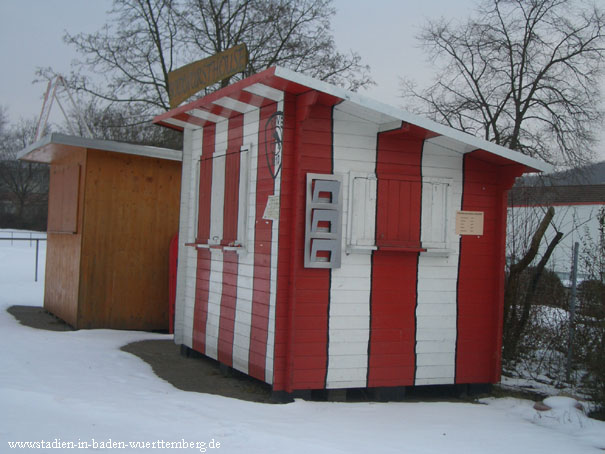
(268, 86)
(557, 195)
(46, 151)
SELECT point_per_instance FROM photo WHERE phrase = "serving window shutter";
(435, 220)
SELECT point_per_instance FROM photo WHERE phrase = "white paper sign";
(469, 223)
(272, 208)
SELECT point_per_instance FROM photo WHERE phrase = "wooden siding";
(131, 213)
(63, 206)
(311, 293)
(288, 217)
(263, 234)
(202, 270)
(233, 309)
(481, 270)
(354, 154)
(246, 225)
(230, 214)
(188, 230)
(392, 339)
(399, 311)
(436, 312)
(63, 249)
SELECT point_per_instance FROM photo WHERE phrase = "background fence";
(32, 239)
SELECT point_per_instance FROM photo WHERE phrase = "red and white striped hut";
(329, 241)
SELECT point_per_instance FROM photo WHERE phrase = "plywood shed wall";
(113, 209)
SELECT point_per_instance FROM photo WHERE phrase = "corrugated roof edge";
(106, 145)
(408, 117)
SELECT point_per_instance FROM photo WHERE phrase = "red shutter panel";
(399, 225)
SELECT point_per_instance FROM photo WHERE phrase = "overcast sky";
(381, 31)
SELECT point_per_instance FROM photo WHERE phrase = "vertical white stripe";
(349, 323)
(217, 203)
(215, 291)
(187, 263)
(436, 311)
(245, 266)
(273, 294)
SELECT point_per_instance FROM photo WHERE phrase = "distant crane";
(55, 88)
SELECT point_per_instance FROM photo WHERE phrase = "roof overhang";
(50, 147)
(268, 87)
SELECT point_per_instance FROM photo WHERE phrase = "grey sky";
(31, 32)
(381, 31)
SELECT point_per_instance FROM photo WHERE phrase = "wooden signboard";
(469, 223)
(190, 79)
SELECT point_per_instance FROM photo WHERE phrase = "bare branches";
(523, 73)
(128, 61)
(26, 182)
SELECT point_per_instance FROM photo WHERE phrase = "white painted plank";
(436, 311)
(442, 372)
(274, 264)
(435, 359)
(245, 267)
(214, 302)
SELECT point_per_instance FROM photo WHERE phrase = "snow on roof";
(268, 86)
(40, 150)
(557, 195)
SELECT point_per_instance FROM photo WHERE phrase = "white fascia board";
(234, 104)
(180, 123)
(265, 91)
(425, 123)
(206, 115)
(451, 144)
(104, 145)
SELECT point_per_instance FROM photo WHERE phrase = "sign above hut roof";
(270, 85)
(190, 79)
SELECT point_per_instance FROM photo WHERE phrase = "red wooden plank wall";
(262, 257)
(311, 287)
(200, 314)
(391, 359)
(230, 221)
(289, 221)
(479, 276)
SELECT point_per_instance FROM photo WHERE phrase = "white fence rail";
(33, 238)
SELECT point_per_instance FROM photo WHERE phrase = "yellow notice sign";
(469, 222)
(190, 79)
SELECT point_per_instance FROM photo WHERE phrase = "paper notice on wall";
(272, 208)
(469, 223)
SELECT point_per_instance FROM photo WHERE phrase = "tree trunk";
(514, 301)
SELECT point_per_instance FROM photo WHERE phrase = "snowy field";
(77, 389)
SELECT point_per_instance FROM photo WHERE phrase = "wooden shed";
(330, 241)
(112, 211)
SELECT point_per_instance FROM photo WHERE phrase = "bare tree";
(291, 33)
(26, 182)
(129, 59)
(522, 73)
(522, 284)
(115, 122)
(3, 119)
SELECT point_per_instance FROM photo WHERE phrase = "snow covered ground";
(59, 388)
